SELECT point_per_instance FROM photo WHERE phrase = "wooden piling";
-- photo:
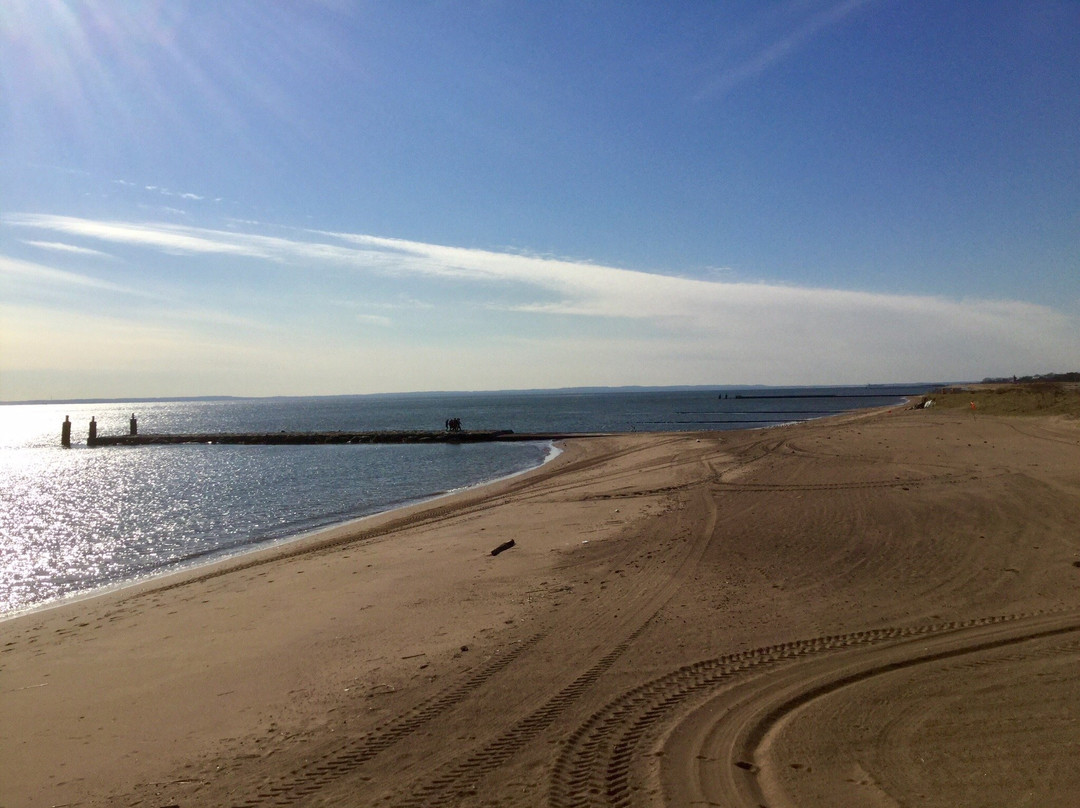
(92, 438)
(134, 425)
(65, 433)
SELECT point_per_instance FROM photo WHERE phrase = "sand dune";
(875, 610)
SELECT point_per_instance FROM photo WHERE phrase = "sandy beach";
(877, 609)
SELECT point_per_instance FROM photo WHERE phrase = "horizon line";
(501, 391)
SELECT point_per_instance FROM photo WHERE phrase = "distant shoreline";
(503, 392)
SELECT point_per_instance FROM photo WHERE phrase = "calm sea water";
(74, 520)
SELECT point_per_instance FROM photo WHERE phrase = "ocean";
(76, 520)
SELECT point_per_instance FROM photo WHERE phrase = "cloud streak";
(28, 273)
(59, 246)
(169, 238)
(688, 330)
(783, 45)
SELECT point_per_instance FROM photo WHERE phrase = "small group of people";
(453, 424)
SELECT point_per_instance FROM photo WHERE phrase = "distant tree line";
(1043, 377)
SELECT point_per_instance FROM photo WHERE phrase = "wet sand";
(873, 610)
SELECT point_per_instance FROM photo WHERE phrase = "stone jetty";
(296, 438)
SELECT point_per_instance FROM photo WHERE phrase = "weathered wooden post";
(92, 439)
(65, 433)
(134, 425)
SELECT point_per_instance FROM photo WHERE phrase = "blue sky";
(257, 198)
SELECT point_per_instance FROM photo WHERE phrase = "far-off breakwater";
(299, 438)
(452, 434)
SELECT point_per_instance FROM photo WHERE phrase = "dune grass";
(1039, 398)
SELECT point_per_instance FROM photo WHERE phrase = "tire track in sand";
(351, 756)
(348, 756)
(712, 759)
(461, 776)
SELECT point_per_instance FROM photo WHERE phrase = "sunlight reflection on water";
(75, 519)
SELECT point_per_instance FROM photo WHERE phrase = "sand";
(873, 610)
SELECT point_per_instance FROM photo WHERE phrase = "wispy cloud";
(169, 238)
(634, 326)
(177, 194)
(15, 270)
(29, 276)
(158, 189)
(799, 22)
(59, 246)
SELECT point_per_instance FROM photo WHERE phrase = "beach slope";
(872, 610)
